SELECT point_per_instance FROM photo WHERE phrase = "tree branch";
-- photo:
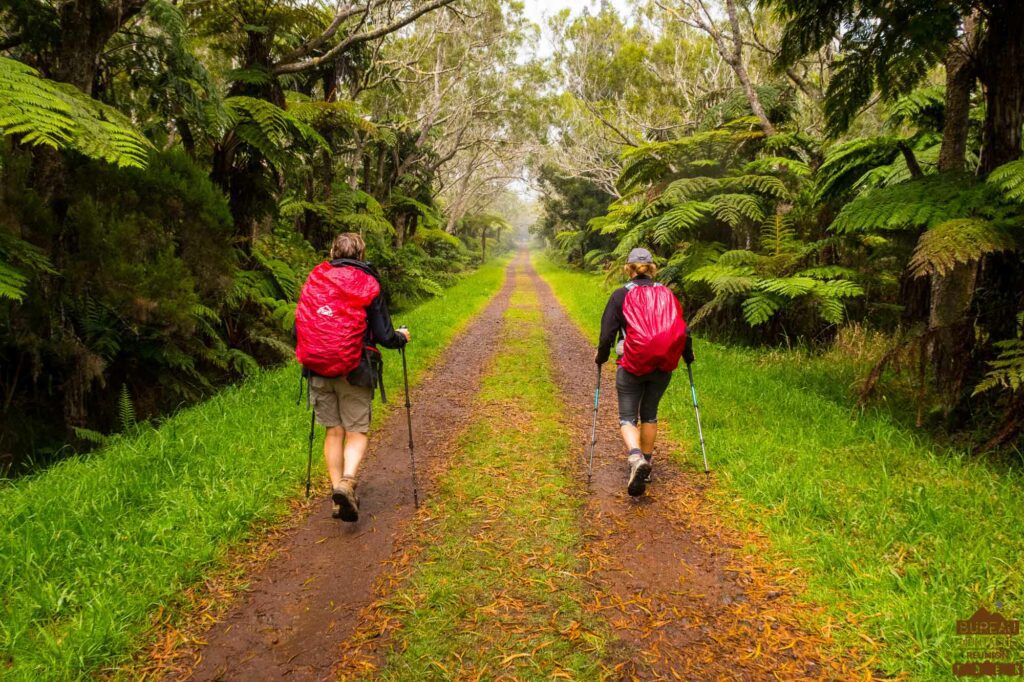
(299, 66)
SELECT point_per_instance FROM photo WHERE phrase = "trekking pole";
(408, 416)
(593, 430)
(696, 411)
(309, 463)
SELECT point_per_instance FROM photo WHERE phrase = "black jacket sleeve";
(612, 322)
(382, 331)
(688, 350)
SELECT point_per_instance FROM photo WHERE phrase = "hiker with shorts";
(644, 321)
(340, 320)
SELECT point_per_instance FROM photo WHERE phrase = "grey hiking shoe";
(639, 470)
(650, 474)
(346, 502)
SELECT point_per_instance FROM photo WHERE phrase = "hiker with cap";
(339, 322)
(644, 321)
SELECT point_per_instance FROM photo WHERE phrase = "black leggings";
(639, 396)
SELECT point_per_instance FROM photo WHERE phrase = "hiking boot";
(346, 503)
(650, 474)
(639, 469)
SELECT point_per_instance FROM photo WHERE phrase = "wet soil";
(307, 599)
(683, 596)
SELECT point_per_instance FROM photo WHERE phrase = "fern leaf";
(1006, 370)
(125, 408)
(954, 242)
(1009, 180)
(759, 308)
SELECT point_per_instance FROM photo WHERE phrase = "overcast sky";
(538, 12)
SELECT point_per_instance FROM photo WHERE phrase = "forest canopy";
(802, 171)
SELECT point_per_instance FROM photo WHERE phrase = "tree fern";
(847, 164)
(919, 204)
(38, 111)
(270, 130)
(954, 242)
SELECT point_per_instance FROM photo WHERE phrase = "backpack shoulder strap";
(357, 264)
(629, 286)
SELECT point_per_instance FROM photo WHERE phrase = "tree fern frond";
(42, 112)
(955, 242)
(847, 164)
(1009, 180)
(760, 308)
(921, 203)
(777, 234)
(725, 279)
(777, 164)
(831, 310)
(679, 219)
(790, 287)
(1006, 370)
(837, 289)
(826, 272)
(734, 209)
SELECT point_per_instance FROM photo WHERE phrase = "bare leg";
(648, 435)
(355, 448)
(333, 448)
(631, 436)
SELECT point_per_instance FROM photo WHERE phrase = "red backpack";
(656, 330)
(330, 320)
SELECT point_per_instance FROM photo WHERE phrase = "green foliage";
(270, 130)
(955, 242)
(916, 205)
(38, 111)
(1006, 371)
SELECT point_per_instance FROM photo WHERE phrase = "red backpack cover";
(655, 332)
(330, 320)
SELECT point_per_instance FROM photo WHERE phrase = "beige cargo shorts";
(338, 403)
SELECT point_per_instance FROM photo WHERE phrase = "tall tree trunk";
(1001, 65)
(952, 334)
(1001, 62)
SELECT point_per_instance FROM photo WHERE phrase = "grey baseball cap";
(640, 256)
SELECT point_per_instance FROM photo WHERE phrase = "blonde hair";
(641, 269)
(348, 245)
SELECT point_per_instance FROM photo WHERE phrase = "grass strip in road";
(94, 545)
(909, 536)
(491, 589)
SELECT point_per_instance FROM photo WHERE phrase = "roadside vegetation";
(881, 521)
(95, 545)
(795, 166)
(170, 172)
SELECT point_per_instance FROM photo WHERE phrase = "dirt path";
(685, 597)
(307, 598)
(686, 601)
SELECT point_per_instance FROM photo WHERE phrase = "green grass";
(493, 590)
(884, 523)
(91, 547)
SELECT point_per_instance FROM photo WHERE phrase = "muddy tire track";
(684, 597)
(307, 599)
